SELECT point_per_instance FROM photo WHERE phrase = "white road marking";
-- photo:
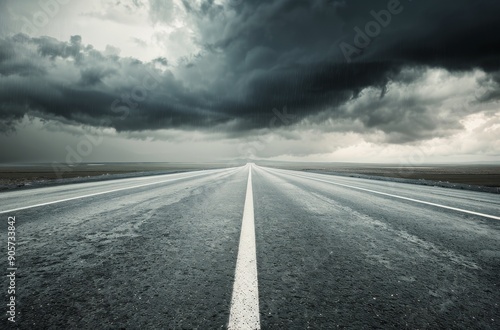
(401, 197)
(97, 194)
(244, 312)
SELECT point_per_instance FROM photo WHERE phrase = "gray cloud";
(256, 56)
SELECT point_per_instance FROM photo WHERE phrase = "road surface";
(276, 249)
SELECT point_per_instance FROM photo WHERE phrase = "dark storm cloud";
(288, 52)
(303, 65)
(257, 56)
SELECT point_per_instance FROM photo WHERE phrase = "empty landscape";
(250, 164)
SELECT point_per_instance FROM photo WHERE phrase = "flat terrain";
(331, 252)
(470, 177)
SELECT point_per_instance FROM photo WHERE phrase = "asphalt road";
(315, 251)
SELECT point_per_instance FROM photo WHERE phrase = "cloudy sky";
(201, 80)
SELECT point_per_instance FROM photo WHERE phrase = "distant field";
(457, 176)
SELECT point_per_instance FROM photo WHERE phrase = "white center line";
(244, 312)
(399, 197)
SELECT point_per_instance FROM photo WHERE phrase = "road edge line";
(100, 193)
(401, 197)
